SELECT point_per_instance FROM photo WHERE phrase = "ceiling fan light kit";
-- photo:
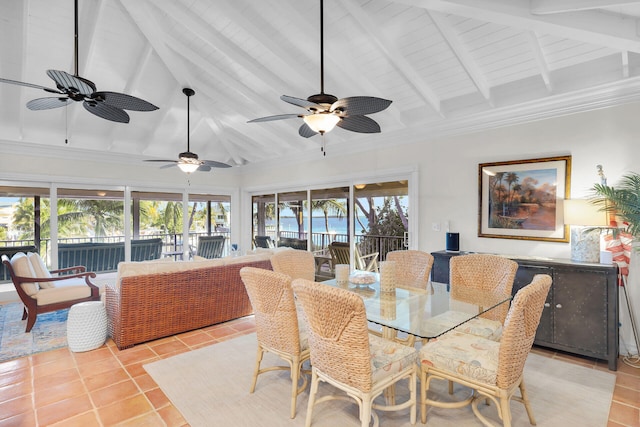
(189, 162)
(322, 122)
(327, 111)
(188, 167)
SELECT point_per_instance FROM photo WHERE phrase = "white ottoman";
(86, 326)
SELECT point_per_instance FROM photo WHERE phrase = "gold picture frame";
(523, 199)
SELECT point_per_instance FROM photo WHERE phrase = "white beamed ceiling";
(449, 66)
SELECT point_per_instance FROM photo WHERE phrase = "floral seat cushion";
(463, 354)
(389, 357)
(486, 328)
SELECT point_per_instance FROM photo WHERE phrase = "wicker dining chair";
(493, 370)
(277, 327)
(486, 272)
(412, 268)
(346, 356)
(295, 263)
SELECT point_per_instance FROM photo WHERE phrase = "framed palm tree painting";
(522, 199)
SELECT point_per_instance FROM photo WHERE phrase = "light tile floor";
(106, 387)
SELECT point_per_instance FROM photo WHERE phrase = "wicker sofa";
(154, 299)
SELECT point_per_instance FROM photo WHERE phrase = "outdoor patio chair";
(263, 242)
(210, 246)
(340, 254)
(43, 291)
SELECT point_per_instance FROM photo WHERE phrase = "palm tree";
(69, 219)
(329, 207)
(104, 215)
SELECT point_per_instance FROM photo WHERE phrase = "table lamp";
(583, 216)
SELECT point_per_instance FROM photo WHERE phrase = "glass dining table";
(425, 314)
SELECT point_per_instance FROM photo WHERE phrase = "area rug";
(210, 387)
(49, 332)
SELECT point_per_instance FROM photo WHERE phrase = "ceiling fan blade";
(300, 102)
(306, 132)
(107, 112)
(124, 101)
(70, 82)
(214, 164)
(277, 117)
(170, 165)
(360, 105)
(203, 168)
(362, 124)
(48, 103)
(15, 82)
(158, 160)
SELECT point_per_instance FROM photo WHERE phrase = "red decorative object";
(620, 247)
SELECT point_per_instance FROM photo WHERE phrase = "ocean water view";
(336, 225)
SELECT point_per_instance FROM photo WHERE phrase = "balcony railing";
(367, 243)
(171, 246)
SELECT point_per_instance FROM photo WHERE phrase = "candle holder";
(388, 305)
(342, 274)
(387, 276)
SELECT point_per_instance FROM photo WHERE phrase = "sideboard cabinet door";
(524, 276)
(580, 308)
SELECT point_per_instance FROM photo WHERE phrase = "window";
(380, 217)
(24, 217)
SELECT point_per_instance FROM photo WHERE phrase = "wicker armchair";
(296, 263)
(344, 355)
(494, 370)
(277, 326)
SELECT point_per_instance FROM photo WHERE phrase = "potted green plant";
(622, 200)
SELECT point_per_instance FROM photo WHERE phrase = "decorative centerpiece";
(362, 278)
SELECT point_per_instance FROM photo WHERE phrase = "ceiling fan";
(107, 105)
(327, 111)
(188, 162)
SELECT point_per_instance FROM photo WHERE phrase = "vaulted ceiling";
(449, 66)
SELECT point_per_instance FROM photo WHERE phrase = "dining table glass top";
(423, 313)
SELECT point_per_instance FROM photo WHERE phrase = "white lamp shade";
(321, 122)
(583, 212)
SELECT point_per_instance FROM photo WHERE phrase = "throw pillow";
(40, 269)
(22, 267)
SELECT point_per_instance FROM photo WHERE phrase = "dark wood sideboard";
(581, 311)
